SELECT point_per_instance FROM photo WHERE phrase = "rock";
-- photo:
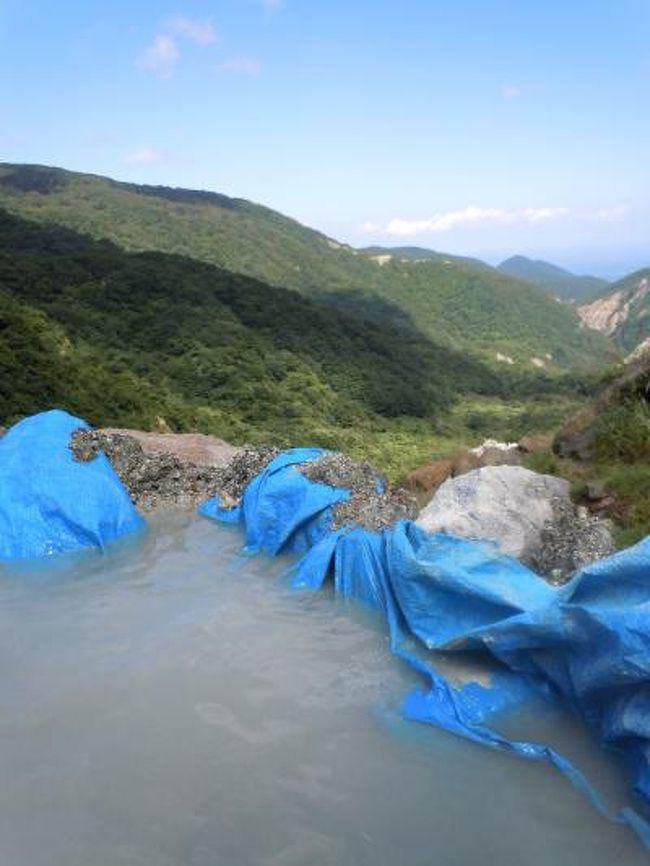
(595, 491)
(530, 516)
(495, 455)
(194, 448)
(430, 476)
(493, 447)
(534, 444)
(489, 453)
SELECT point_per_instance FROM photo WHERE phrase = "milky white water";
(172, 703)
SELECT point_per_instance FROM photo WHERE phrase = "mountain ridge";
(555, 280)
(469, 308)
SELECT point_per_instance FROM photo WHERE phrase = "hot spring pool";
(173, 703)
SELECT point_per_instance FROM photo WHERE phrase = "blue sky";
(485, 127)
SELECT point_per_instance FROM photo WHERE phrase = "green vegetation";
(621, 461)
(202, 347)
(458, 303)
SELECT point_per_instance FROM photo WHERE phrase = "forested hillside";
(463, 305)
(265, 357)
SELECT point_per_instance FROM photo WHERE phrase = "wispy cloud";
(199, 32)
(272, 4)
(445, 221)
(161, 56)
(539, 214)
(511, 91)
(144, 156)
(610, 214)
(241, 65)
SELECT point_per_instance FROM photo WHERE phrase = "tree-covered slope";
(124, 337)
(553, 279)
(457, 303)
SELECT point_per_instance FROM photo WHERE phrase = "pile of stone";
(248, 462)
(372, 505)
(152, 477)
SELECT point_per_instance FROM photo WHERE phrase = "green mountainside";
(202, 346)
(553, 279)
(462, 305)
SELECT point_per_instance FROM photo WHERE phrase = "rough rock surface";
(196, 448)
(530, 516)
(153, 479)
(373, 505)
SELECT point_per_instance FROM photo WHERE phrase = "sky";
(479, 127)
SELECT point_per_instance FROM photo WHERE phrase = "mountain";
(553, 279)
(624, 312)
(123, 338)
(464, 306)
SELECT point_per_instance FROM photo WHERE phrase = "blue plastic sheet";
(282, 511)
(586, 643)
(49, 502)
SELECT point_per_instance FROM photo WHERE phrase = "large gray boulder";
(529, 516)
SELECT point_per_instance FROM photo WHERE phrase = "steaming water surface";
(173, 703)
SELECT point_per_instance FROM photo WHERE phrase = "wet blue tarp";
(51, 503)
(281, 510)
(586, 643)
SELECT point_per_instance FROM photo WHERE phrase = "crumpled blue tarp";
(51, 503)
(586, 643)
(282, 511)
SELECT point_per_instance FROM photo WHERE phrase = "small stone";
(596, 491)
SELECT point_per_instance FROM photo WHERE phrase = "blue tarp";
(49, 502)
(586, 643)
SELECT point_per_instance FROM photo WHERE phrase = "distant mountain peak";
(553, 279)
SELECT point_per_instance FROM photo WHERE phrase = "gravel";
(241, 469)
(152, 480)
(573, 539)
(373, 505)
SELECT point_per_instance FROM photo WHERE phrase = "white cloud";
(272, 4)
(161, 56)
(610, 214)
(445, 221)
(511, 91)
(538, 214)
(199, 32)
(241, 65)
(144, 156)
